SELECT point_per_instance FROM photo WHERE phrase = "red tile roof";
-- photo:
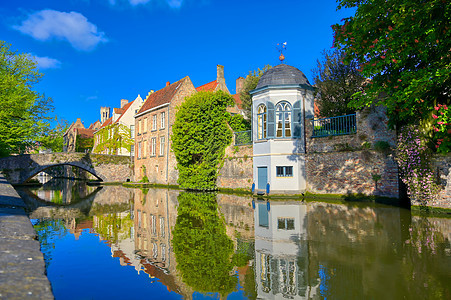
(238, 101)
(107, 122)
(162, 96)
(211, 86)
(118, 110)
(85, 133)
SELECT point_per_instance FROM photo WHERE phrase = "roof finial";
(281, 47)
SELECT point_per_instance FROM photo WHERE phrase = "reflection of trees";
(428, 239)
(201, 246)
(48, 232)
(113, 227)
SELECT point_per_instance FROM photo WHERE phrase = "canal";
(112, 242)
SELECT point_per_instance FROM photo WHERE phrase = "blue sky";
(95, 52)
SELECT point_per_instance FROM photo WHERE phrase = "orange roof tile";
(238, 101)
(107, 122)
(162, 96)
(85, 133)
(211, 86)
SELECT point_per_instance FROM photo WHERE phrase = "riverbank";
(22, 267)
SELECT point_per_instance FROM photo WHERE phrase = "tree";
(250, 83)
(23, 111)
(337, 83)
(53, 138)
(403, 47)
(199, 137)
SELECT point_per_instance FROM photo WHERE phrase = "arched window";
(283, 119)
(261, 122)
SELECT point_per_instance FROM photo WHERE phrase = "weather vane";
(281, 47)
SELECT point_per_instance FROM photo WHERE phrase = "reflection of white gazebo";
(281, 252)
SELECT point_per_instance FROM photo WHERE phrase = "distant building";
(77, 137)
(116, 134)
(281, 101)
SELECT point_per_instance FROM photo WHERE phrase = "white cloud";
(174, 3)
(137, 2)
(72, 27)
(46, 62)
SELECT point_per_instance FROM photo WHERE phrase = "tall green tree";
(250, 83)
(404, 48)
(23, 112)
(336, 83)
(53, 138)
(199, 137)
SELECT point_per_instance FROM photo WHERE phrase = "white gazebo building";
(281, 102)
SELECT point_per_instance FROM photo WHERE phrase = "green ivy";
(113, 138)
(202, 248)
(83, 144)
(199, 137)
(238, 123)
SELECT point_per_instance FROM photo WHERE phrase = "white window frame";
(154, 146)
(154, 122)
(162, 141)
(163, 120)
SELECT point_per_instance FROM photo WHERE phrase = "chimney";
(220, 73)
(168, 83)
(239, 84)
(124, 102)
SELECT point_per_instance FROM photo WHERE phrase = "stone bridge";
(110, 168)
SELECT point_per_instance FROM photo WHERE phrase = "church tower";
(104, 114)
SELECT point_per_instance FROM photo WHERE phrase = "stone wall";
(442, 167)
(236, 172)
(352, 173)
(348, 164)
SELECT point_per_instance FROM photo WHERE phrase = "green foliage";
(382, 146)
(442, 128)
(82, 144)
(238, 123)
(53, 138)
(250, 83)
(23, 111)
(199, 137)
(403, 46)
(201, 246)
(112, 138)
(336, 83)
(113, 227)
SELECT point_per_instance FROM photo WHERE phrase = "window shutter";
(297, 117)
(271, 122)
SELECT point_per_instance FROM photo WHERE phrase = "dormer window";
(283, 120)
(262, 122)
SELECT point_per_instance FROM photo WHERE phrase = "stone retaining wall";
(236, 172)
(352, 173)
(442, 167)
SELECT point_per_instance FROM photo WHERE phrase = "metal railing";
(243, 137)
(334, 126)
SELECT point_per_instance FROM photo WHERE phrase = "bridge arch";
(110, 168)
(46, 167)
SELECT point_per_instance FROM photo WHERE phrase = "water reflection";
(222, 245)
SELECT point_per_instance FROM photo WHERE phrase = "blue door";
(262, 177)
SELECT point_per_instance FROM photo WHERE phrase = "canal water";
(113, 242)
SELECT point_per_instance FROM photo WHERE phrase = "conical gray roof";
(282, 75)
